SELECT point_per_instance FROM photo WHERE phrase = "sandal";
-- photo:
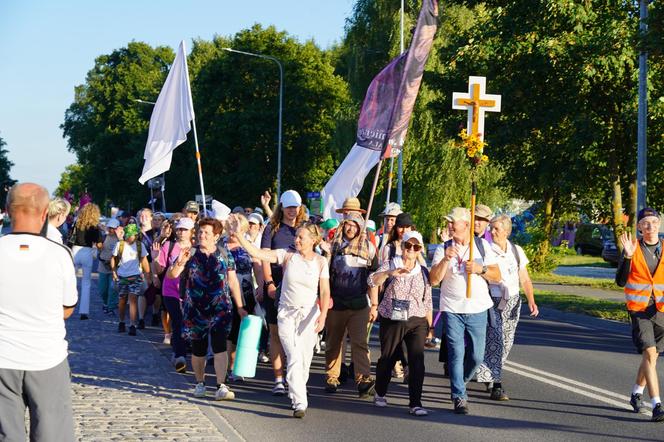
(418, 411)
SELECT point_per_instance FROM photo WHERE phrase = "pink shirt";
(170, 286)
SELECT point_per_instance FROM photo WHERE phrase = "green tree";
(5, 167)
(237, 100)
(107, 129)
(74, 180)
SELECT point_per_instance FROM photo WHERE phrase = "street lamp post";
(281, 93)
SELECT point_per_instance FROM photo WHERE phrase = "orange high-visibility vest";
(641, 284)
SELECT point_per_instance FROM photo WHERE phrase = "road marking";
(606, 396)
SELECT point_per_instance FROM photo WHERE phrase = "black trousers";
(392, 333)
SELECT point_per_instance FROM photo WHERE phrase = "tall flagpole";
(400, 162)
(193, 123)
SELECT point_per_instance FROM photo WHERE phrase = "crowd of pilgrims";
(318, 285)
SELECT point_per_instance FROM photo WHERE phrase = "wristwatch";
(484, 269)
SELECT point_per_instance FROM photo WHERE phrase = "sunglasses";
(415, 247)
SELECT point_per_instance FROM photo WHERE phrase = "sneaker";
(233, 378)
(223, 394)
(380, 401)
(121, 327)
(299, 412)
(132, 330)
(199, 390)
(498, 394)
(84, 317)
(141, 324)
(181, 364)
(460, 406)
(366, 387)
(658, 413)
(279, 389)
(636, 401)
(331, 385)
(167, 339)
(418, 411)
(262, 357)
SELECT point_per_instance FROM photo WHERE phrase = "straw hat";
(351, 205)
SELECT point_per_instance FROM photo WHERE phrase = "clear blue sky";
(47, 47)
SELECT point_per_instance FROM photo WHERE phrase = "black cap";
(646, 211)
(403, 220)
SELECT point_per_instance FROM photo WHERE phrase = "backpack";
(516, 255)
(121, 245)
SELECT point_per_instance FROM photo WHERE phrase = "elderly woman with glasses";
(405, 316)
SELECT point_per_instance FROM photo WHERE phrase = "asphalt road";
(569, 378)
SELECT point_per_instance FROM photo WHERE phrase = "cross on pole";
(476, 102)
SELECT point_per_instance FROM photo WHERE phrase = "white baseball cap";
(413, 235)
(113, 223)
(458, 214)
(185, 223)
(255, 218)
(290, 198)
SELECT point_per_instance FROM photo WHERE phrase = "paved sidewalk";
(590, 292)
(123, 387)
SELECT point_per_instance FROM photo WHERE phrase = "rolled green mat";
(248, 342)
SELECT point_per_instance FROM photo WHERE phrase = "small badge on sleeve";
(24, 247)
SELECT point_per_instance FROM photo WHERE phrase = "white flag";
(348, 179)
(171, 119)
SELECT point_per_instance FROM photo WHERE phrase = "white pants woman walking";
(83, 260)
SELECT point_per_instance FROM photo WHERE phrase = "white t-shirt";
(53, 233)
(509, 270)
(299, 288)
(453, 286)
(129, 264)
(37, 279)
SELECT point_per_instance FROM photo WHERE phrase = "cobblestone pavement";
(124, 388)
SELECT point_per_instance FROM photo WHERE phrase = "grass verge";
(580, 304)
(583, 260)
(607, 284)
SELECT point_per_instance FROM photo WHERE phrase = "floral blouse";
(414, 287)
(207, 303)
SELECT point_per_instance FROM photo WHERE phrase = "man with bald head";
(37, 293)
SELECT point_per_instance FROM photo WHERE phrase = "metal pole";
(281, 93)
(642, 148)
(400, 163)
(163, 192)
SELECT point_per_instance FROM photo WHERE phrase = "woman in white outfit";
(85, 237)
(506, 305)
(300, 317)
(58, 210)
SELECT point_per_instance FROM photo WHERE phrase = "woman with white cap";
(170, 288)
(279, 234)
(405, 316)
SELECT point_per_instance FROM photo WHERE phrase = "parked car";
(610, 253)
(591, 238)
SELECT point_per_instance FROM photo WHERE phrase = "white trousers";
(83, 260)
(297, 332)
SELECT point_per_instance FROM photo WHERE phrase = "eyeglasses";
(415, 247)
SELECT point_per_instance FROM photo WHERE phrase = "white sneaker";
(279, 389)
(167, 339)
(234, 378)
(223, 394)
(199, 391)
(380, 401)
